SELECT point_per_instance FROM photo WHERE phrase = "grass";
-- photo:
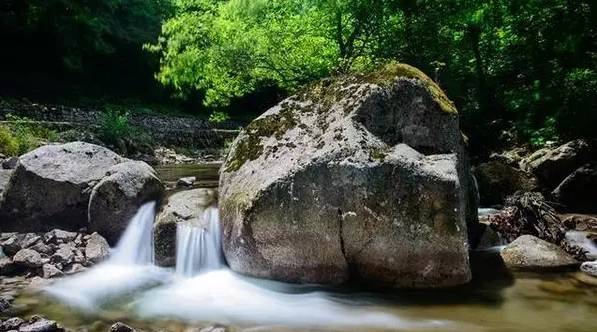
(19, 135)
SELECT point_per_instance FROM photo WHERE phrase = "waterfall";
(136, 244)
(130, 268)
(198, 246)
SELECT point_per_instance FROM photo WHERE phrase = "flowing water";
(198, 248)
(202, 291)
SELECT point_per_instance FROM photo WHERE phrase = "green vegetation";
(20, 135)
(521, 66)
(116, 130)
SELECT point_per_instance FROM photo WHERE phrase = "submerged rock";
(354, 178)
(40, 324)
(184, 206)
(533, 254)
(118, 196)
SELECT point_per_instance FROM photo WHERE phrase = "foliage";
(91, 42)
(218, 117)
(116, 129)
(20, 135)
(512, 64)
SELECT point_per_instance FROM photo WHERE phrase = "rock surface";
(578, 191)
(75, 185)
(97, 248)
(553, 165)
(498, 180)
(354, 178)
(121, 327)
(51, 186)
(184, 206)
(589, 268)
(533, 254)
(117, 197)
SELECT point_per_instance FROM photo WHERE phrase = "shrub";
(114, 125)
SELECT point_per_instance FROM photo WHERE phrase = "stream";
(202, 292)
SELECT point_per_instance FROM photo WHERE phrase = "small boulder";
(63, 255)
(12, 244)
(51, 271)
(121, 327)
(97, 248)
(29, 240)
(118, 196)
(28, 258)
(589, 268)
(186, 182)
(59, 236)
(75, 268)
(530, 253)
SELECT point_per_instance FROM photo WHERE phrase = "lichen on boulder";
(356, 177)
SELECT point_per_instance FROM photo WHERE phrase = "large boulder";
(354, 178)
(530, 253)
(51, 185)
(183, 206)
(118, 196)
(578, 191)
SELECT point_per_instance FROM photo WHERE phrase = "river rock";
(121, 327)
(51, 271)
(353, 178)
(533, 254)
(51, 186)
(64, 255)
(578, 191)
(498, 180)
(11, 324)
(7, 266)
(552, 165)
(40, 324)
(589, 268)
(118, 196)
(97, 248)
(28, 258)
(183, 206)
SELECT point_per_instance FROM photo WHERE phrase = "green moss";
(328, 91)
(386, 75)
(379, 154)
(249, 147)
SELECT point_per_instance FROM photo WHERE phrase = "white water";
(198, 248)
(135, 247)
(130, 278)
(580, 238)
(129, 268)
